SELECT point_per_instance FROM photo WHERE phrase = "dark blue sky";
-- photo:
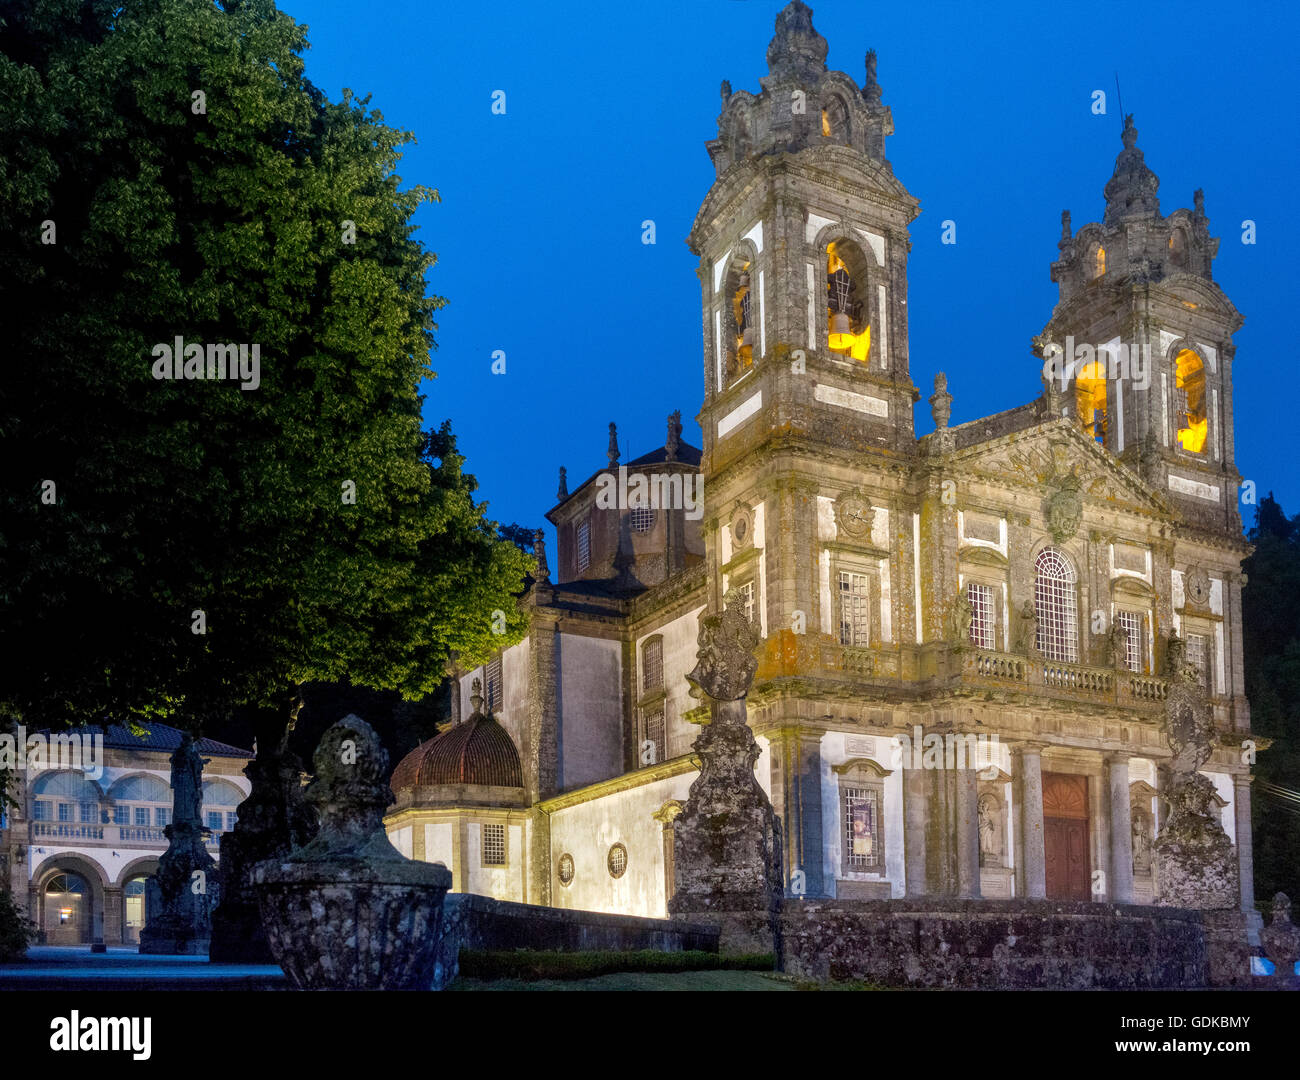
(609, 105)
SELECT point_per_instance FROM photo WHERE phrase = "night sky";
(608, 107)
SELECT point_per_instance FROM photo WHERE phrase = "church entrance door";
(1065, 836)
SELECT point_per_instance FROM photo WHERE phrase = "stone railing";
(1088, 680)
(65, 830)
(1001, 666)
(1146, 688)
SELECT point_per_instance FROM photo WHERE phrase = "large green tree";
(1271, 616)
(166, 170)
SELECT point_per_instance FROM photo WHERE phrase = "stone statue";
(725, 661)
(1116, 646)
(1065, 227)
(961, 618)
(1027, 631)
(674, 440)
(562, 492)
(539, 553)
(1141, 832)
(989, 827)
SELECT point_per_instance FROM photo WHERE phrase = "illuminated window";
(1056, 607)
(492, 671)
(835, 119)
(981, 614)
(849, 329)
(855, 609)
(654, 734)
(584, 546)
(652, 665)
(1198, 656)
(1099, 266)
(1090, 400)
(740, 357)
(826, 122)
(1189, 401)
(643, 519)
(494, 845)
(1131, 623)
(617, 861)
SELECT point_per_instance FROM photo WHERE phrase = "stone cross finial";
(674, 441)
(563, 492)
(1065, 226)
(1198, 202)
(613, 445)
(1129, 136)
(725, 661)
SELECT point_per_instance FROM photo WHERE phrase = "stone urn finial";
(476, 696)
(725, 659)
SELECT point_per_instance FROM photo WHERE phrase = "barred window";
(855, 609)
(616, 861)
(862, 841)
(494, 845)
(493, 692)
(584, 546)
(747, 599)
(654, 734)
(1198, 656)
(652, 665)
(566, 870)
(643, 519)
(1131, 623)
(1054, 599)
(981, 614)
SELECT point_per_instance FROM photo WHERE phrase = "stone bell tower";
(807, 415)
(1151, 376)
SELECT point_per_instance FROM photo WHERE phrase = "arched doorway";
(67, 909)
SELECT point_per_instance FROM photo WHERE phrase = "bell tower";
(807, 415)
(1150, 333)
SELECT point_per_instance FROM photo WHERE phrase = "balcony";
(131, 836)
(943, 667)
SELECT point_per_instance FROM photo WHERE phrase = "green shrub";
(16, 931)
(530, 964)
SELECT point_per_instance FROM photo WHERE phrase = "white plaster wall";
(588, 830)
(763, 766)
(403, 839)
(591, 710)
(1223, 788)
(438, 843)
(679, 647)
(835, 750)
(499, 882)
(110, 861)
(516, 681)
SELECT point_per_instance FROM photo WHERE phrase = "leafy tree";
(1271, 637)
(166, 170)
(16, 930)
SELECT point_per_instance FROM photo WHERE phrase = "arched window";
(848, 314)
(141, 802)
(835, 120)
(219, 801)
(1189, 404)
(1099, 264)
(1178, 248)
(66, 797)
(1090, 400)
(742, 318)
(1056, 607)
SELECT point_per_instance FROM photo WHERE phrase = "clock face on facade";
(854, 515)
(742, 527)
(1198, 586)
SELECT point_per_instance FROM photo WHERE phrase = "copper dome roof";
(476, 751)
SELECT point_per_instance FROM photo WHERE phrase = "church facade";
(962, 668)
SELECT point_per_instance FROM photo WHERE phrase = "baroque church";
(1010, 585)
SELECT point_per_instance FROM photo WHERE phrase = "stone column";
(1120, 887)
(112, 926)
(1030, 762)
(1245, 843)
(916, 819)
(968, 835)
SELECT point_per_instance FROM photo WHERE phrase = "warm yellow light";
(1193, 437)
(1193, 424)
(858, 346)
(1090, 399)
(1101, 262)
(826, 123)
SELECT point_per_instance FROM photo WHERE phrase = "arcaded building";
(1007, 585)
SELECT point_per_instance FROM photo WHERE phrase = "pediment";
(1057, 455)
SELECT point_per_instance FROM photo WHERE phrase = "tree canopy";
(176, 547)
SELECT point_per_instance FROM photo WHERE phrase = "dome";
(476, 751)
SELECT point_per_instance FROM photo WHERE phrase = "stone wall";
(1007, 944)
(480, 922)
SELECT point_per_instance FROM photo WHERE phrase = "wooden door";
(1065, 836)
